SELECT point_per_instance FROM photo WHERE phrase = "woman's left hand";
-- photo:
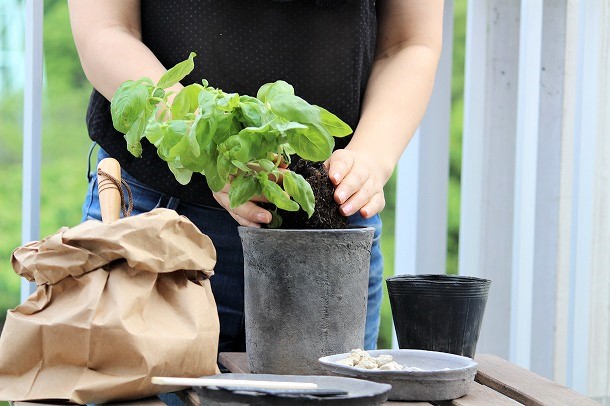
(358, 181)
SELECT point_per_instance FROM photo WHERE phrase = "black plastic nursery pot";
(305, 296)
(438, 312)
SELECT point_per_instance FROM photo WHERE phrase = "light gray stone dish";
(444, 376)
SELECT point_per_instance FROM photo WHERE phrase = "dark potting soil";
(326, 214)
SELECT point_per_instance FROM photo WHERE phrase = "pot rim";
(351, 230)
(441, 279)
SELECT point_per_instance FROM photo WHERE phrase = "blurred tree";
(12, 28)
(62, 64)
(455, 149)
(65, 140)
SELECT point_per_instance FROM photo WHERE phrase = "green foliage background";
(65, 146)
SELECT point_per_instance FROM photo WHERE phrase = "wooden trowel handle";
(108, 191)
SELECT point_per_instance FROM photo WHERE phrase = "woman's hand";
(359, 182)
(248, 214)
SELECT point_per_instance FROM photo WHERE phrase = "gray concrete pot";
(305, 296)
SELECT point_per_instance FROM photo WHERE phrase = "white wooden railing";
(535, 202)
(535, 188)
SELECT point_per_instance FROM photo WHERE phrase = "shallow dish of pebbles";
(424, 375)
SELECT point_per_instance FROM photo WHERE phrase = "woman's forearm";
(108, 39)
(408, 48)
(113, 57)
(395, 101)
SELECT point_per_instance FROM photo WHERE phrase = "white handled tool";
(160, 380)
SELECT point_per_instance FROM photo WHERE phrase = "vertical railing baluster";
(586, 127)
(526, 177)
(32, 128)
(488, 160)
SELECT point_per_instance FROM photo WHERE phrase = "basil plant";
(230, 138)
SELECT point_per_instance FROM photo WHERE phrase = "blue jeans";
(228, 280)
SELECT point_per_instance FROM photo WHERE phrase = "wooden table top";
(498, 382)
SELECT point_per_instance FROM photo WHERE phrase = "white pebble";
(383, 359)
(361, 359)
(391, 366)
(367, 364)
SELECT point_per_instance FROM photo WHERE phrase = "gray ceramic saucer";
(444, 376)
(359, 392)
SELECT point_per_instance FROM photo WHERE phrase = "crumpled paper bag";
(115, 305)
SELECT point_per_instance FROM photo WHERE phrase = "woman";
(371, 63)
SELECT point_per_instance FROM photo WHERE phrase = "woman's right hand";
(248, 214)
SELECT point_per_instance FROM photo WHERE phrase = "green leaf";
(243, 188)
(224, 126)
(228, 102)
(253, 112)
(276, 220)
(254, 142)
(204, 129)
(207, 100)
(300, 190)
(183, 176)
(186, 101)
(314, 143)
(275, 194)
(128, 103)
(192, 163)
(154, 132)
(289, 125)
(160, 93)
(175, 141)
(239, 148)
(287, 150)
(266, 164)
(311, 145)
(224, 166)
(179, 150)
(270, 91)
(334, 124)
(293, 108)
(177, 73)
(215, 182)
(195, 148)
(240, 165)
(135, 133)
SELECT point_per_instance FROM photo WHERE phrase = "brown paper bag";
(115, 305)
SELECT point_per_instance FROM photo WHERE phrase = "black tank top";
(324, 52)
